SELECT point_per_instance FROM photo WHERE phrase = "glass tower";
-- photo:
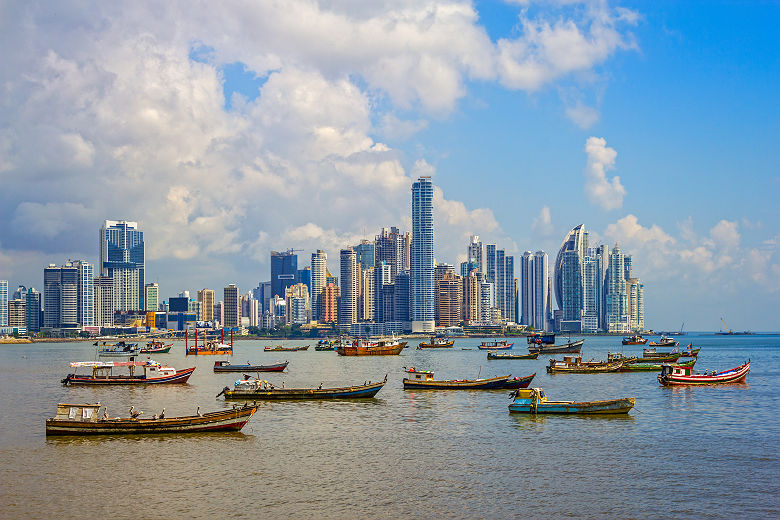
(122, 258)
(422, 312)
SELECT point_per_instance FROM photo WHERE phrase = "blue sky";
(230, 131)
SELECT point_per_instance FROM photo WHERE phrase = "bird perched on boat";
(162, 414)
(134, 415)
(198, 412)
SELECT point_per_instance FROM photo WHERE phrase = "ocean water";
(703, 452)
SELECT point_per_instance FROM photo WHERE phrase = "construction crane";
(725, 326)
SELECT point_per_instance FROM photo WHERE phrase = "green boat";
(652, 367)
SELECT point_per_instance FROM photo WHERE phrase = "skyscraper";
(103, 289)
(284, 271)
(365, 254)
(450, 301)
(17, 313)
(439, 272)
(152, 296)
(68, 295)
(500, 282)
(510, 289)
(636, 304)
(577, 241)
(33, 310)
(349, 287)
(391, 247)
(206, 299)
(422, 312)
(329, 303)
(490, 264)
(231, 307)
(318, 270)
(401, 299)
(122, 258)
(474, 253)
(617, 297)
(541, 290)
(3, 303)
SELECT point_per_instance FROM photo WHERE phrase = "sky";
(231, 130)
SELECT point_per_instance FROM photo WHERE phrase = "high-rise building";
(349, 287)
(422, 311)
(329, 303)
(450, 301)
(152, 296)
(382, 312)
(122, 258)
(439, 272)
(401, 299)
(472, 297)
(297, 304)
(590, 295)
(510, 289)
(304, 277)
(284, 271)
(390, 249)
(262, 294)
(490, 265)
(616, 294)
(206, 299)
(367, 299)
(33, 310)
(3, 303)
(500, 282)
(576, 241)
(636, 304)
(474, 253)
(231, 307)
(486, 302)
(541, 290)
(68, 295)
(364, 252)
(103, 289)
(17, 313)
(318, 272)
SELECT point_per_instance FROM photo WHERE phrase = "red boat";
(519, 382)
(153, 373)
(682, 375)
(495, 345)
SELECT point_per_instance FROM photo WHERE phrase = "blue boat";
(541, 338)
(533, 400)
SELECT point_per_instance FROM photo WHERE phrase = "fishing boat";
(156, 347)
(636, 339)
(324, 347)
(663, 342)
(572, 347)
(575, 365)
(423, 380)
(119, 349)
(519, 382)
(534, 400)
(255, 389)
(437, 343)
(651, 354)
(280, 348)
(227, 366)
(508, 355)
(541, 338)
(495, 345)
(85, 419)
(690, 351)
(381, 347)
(327, 344)
(102, 373)
(682, 375)
(208, 347)
(651, 367)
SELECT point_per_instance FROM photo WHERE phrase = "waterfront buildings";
(329, 303)
(122, 258)
(422, 289)
(534, 290)
(17, 313)
(297, 304)
(450, 301)
(3, 303)
(284, 271)
(206, 299)
(231, 307)
(103, 289)
(68, 296)
(392, 248)
(349, 276)
(474, 254)
(33, 310)
(318, 275)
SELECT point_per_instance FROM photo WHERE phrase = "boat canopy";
(110, 364)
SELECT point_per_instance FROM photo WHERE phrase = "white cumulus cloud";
(605, 192)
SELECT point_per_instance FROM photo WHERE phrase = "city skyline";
(624, 116)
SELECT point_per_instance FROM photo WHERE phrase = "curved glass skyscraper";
(568, 273)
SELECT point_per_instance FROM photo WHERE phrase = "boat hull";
(569, 348)
(278, 367)
(224, 420)
(601, 369)
(181, 376)
(493, 383)
(519, 382)
(349, 392)
(285, 349)
(507, 346)
(610, 406)
(219, 352)
(493, 355)
(735, 375)
(650, 367)
(352, 350)
(163, 350)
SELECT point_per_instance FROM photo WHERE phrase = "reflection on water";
(450, 454)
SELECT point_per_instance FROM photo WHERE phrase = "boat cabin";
(420, 375)
(527, 395)
(675, 370)
(77, 412)
(104, 370)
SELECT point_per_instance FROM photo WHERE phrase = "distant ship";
(729, 332)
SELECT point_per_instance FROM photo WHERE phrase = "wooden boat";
(381, 347)
(690, 351)
(651, 355)
(541, 338)
(651, 367)
(495, 345)
(254, 389)
(572, 347)
(534, 400)
(209, 347)
(324, 347)
(507, 355)
(119, 349)
(156, 347)
(226, 366)
(519, 382)
(83, 419)
(663, 342)
(423, 380)
(575, 365)
(636, 339)
(681, 375)
(437, 343)
(280, 348)
(102, 373)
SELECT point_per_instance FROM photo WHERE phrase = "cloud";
(600, 190)
(582, 115)
(542, 224)
(725, 234)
